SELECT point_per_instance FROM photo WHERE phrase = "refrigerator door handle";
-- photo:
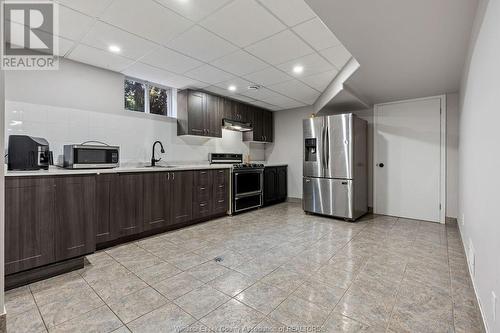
(327, 146)
(323, 139)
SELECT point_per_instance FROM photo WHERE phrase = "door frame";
(442, 175)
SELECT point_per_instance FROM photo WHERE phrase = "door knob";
(381, 165)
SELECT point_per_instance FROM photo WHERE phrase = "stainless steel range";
(246, 181)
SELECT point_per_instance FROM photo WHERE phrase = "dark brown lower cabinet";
(182, 197)
(157, 213)
(275, 185)
(75, 216)
(210, 193)
(127, 203)
(29, 223)
(51, 219)
(106, 229)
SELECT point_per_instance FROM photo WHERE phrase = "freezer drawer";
(333, 197)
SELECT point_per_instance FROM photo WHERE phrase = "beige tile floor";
(279, 268)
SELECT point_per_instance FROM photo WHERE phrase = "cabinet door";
(257, 123)
(213, 116)
(220, 195)
(182, 196)
(29, 223)
(75, 216)
(229, 109)
(106, 230)
(268, 126)
(202, 194)
(196, 113)
(282, 183)
(127, 203)
(156, 200)
(242, 113)
(270, 176)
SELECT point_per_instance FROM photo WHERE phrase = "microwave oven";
(91, 157)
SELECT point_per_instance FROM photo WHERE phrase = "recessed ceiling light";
(114, 49)
(232, 88)
(298, 69)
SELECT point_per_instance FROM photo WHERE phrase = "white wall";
(452, 115)
(81, 102)
(479, 158)
(287, 147)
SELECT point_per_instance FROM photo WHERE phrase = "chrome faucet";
(153, 159)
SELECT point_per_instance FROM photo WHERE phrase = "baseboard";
(294, 200)
(481, 311)
(452, 221)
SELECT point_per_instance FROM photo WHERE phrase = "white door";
(407, 171)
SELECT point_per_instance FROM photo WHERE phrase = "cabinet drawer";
(202, 192)
(220, 204)
(202, 178)
(220, 176)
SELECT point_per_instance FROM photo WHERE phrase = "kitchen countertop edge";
(56, 171)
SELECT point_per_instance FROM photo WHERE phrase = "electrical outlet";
(463, 219)
(494, 305)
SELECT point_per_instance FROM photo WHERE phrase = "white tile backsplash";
(133, 132)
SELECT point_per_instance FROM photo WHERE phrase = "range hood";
(235, 125)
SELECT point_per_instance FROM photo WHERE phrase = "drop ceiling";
(208, 44)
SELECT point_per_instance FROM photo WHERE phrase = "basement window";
(147, 97)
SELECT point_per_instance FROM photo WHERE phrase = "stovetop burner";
(248, 166)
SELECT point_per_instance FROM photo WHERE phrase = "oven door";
(247, 182)
(247, 189)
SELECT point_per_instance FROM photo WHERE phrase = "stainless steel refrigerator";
(335, 166)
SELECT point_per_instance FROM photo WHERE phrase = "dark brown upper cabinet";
(199, 113)
(75, 216)
(262, 123)
(235, 110)
(29, 223)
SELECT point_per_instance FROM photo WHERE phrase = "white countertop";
(55, 171)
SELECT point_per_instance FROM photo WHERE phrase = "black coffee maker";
(28, 153)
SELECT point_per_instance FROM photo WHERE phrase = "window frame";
(171, 94)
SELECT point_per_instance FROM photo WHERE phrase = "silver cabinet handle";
(221, 186)
(220, 201)
(173, 176)
(202, 188)
(203, 204)
(168, 175)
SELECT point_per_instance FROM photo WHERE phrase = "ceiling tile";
(170, 60)
(194, 9)
(313, 64)
(264, 105)
(268, 76)
(155, 75)
(317, 34)
(147, 19)
(218, 90)
(99, 58)
(296, 90)
(260, 94)
(320, 81)
(291, 12)
(102, 35)
(280, 48)
(201, 44)
(240, 84)
(243, 98)
(243, 22)
(64, 46)
(209, 74)
(89, 7)
(337, 55)
(239, 63)
(72, 24)
(283, 102)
